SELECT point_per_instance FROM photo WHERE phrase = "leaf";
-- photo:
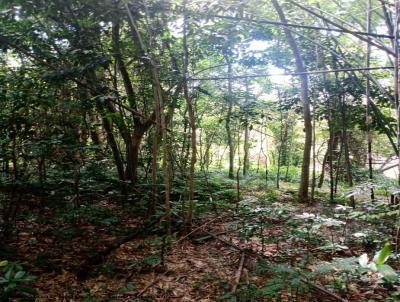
(388, 272)
(10, 286)
(363, 260)
(8, 274)
(373, 267)
(30, 278)
(227, 295)
(383, 254)
(3, 263)
(19, 275)
(130, 286)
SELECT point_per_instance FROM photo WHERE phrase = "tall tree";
(300, 68)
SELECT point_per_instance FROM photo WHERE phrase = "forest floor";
(275, 247)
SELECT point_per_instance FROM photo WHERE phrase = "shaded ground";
(200, 267)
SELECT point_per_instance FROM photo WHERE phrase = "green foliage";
(283, 279)
(378, 263)
(14, 281)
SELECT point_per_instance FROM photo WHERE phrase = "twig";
(196, 229)
(230, 244)
(238, 273)
(322, 289)
(148, 286)
(259, 256)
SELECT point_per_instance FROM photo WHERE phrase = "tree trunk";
(246, 147)
(160, 117)
(278, 176)
(132, 141)
(229, 117)
(133, 149)
(368, 107)
(114, 148)
(192, 122)
(266, 158)
(305, 169)
(346, 151)
(314, 179)
(94, 130)
(324, 161)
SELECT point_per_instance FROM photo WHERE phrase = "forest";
(199, 150)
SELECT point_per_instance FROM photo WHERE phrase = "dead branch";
(99, 256)
(260, 256)
(148, 286)
(238, 273)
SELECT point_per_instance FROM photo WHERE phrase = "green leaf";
(383, 254)
(388, 272)
(152, 260)
(10, 287)
(3, 263)
(227, 295)
(30, 278)
(19, 275)
(130, 286)
(8, 274)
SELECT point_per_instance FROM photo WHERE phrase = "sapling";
(378, 263)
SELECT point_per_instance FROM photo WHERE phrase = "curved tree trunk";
(305, 169)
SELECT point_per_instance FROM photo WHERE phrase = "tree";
(305, 171)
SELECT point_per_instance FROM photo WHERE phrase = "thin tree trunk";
(229, 118)
(396, 81)
(246, 147)
(346, 151)
(93, 129)
(338, 167)
(368, 107)
(184, 154)
(324, 161)
(132, 141)
(154, 168)
(114, 148)
(314, 179)
(287, 165)
(192, 121)
(278, 176)
(266, 158)
(260, 151)
(238, 171)
(160, 118)
(300, 67)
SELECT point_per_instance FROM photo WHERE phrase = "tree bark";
(300, 67)
(159, 114)
(192, 122)
(314, 179)
(246, 149)
(368, 107)
(346, 151)
(133, 140)
(114, 148)
(229, 117)
(246, 145)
